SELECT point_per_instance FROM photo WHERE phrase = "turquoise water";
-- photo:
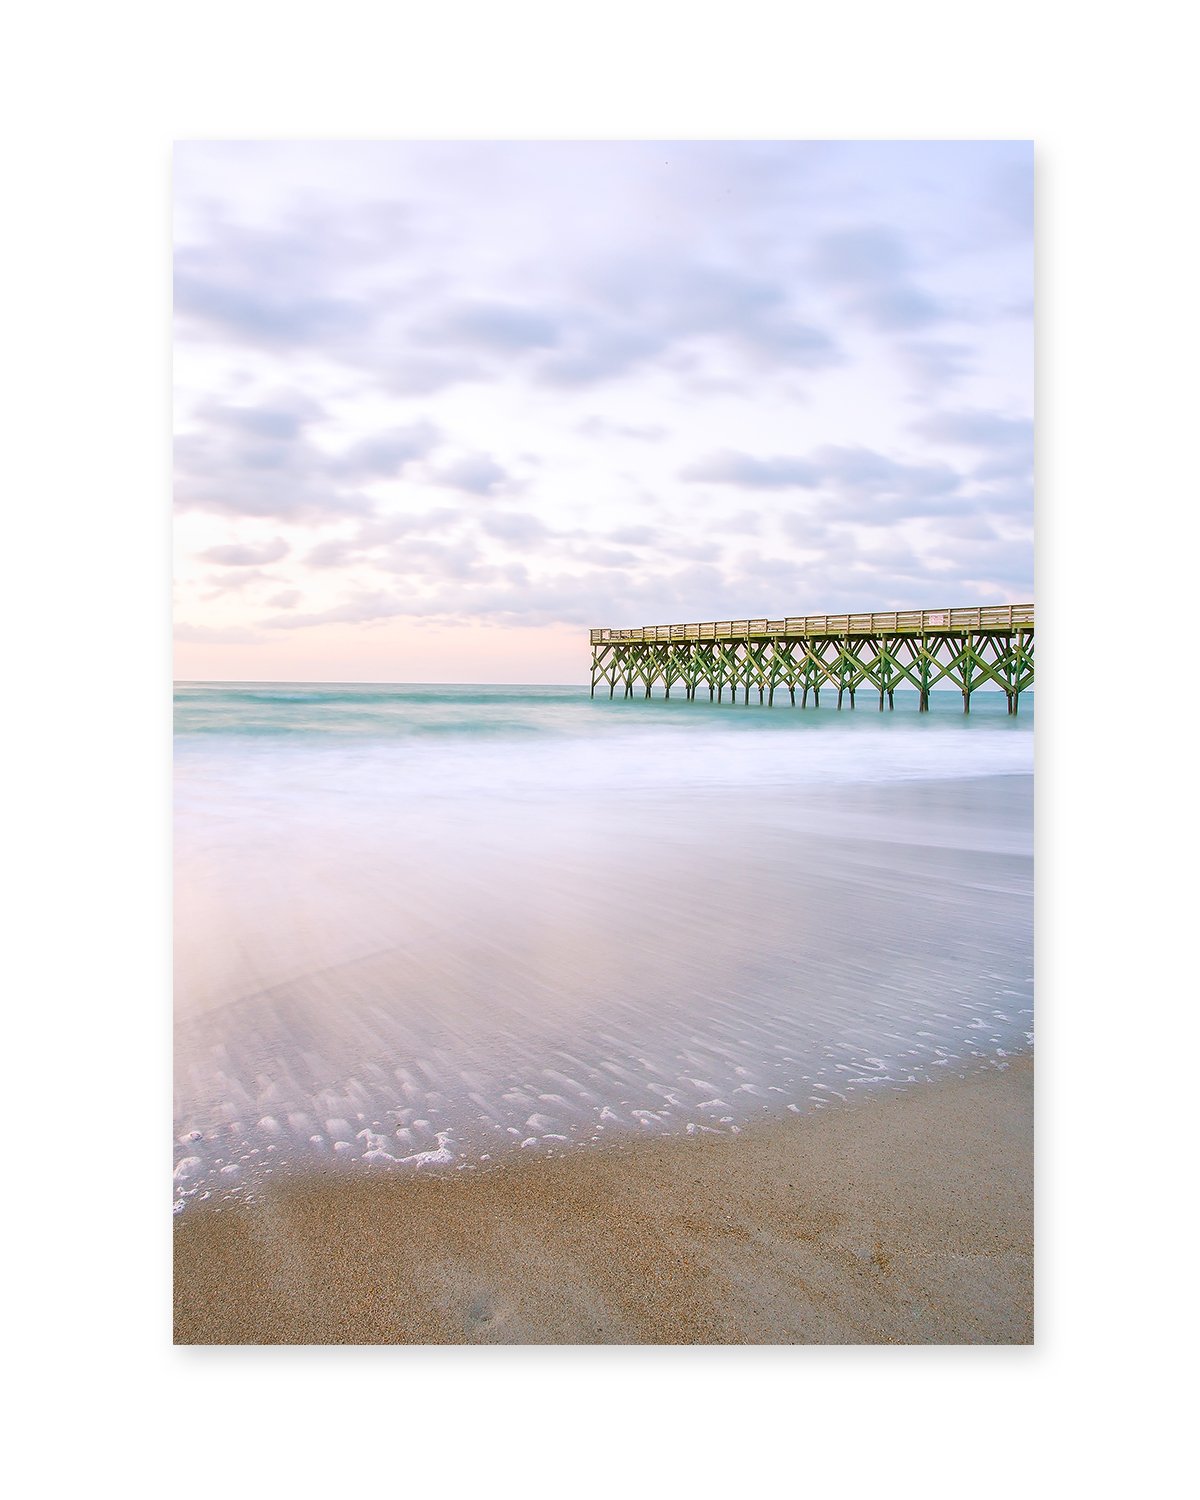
(403, 711)
(423, 927)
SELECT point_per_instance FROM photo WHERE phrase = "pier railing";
(994, 617)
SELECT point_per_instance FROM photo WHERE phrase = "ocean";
(430, 927)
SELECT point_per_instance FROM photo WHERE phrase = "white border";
(94, 97)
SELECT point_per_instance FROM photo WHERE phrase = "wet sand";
(686, 959)
(900, 1219)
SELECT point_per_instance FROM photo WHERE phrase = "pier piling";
(962, 648)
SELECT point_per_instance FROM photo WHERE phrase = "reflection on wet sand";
(391, 983)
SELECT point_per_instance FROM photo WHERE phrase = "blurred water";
(425, 926)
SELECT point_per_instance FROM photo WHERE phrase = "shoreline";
(591, 962)
(899, 1218)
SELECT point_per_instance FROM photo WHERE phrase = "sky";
(440, 407)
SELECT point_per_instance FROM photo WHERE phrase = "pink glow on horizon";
(396, 651)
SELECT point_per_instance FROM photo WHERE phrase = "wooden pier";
(963, 648)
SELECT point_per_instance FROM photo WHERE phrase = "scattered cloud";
(875, 490)
(519, 527)
(573, 383)
(607, 431)
(873, 268)
(934, 364)
(332, 553)
(494, 327)
(1002, 445)
(748, 472)
(867, 486)
(264, 459)
(386, 454)
(240, 555)
(360, 610)
(635, 536)
(977, 429)
(240, 579)
(474, 473)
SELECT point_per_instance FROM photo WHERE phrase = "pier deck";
(882, 650)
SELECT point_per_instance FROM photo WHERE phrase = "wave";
(418, 927)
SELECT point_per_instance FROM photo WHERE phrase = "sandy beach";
(905, 1218)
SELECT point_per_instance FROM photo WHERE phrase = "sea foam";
(423, 928)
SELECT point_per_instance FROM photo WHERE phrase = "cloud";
(868, 256)
(1004, 444)
(600, 427)
(852, 485)
(332, 553)
(612, 557)
(642, 309)
(837, 566)
(635, 536)
(496, 327)
(899, 307)
(733, 467)
(286, 599)
(277, 418)
(1011, 500)
(386, 454)
(418, 372)
(810, 533)
(302, 282)
(849, 483)
(935, 363)
(258, 461)
(429, 562)
(603, 320)
(518, 527)
(263, 315)
(239, 556)
(314, 284)
(741, 523)
(1005, 565)
(868, 486)
(431, 365)
(475, 473)
(380, 540)
(967, 527)
(380, 530)
(871, 266)
(869, 477)
(362, 609)
(262, 460)
(239, 580)
(977, 429)
(338, 288)
(599, 350)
